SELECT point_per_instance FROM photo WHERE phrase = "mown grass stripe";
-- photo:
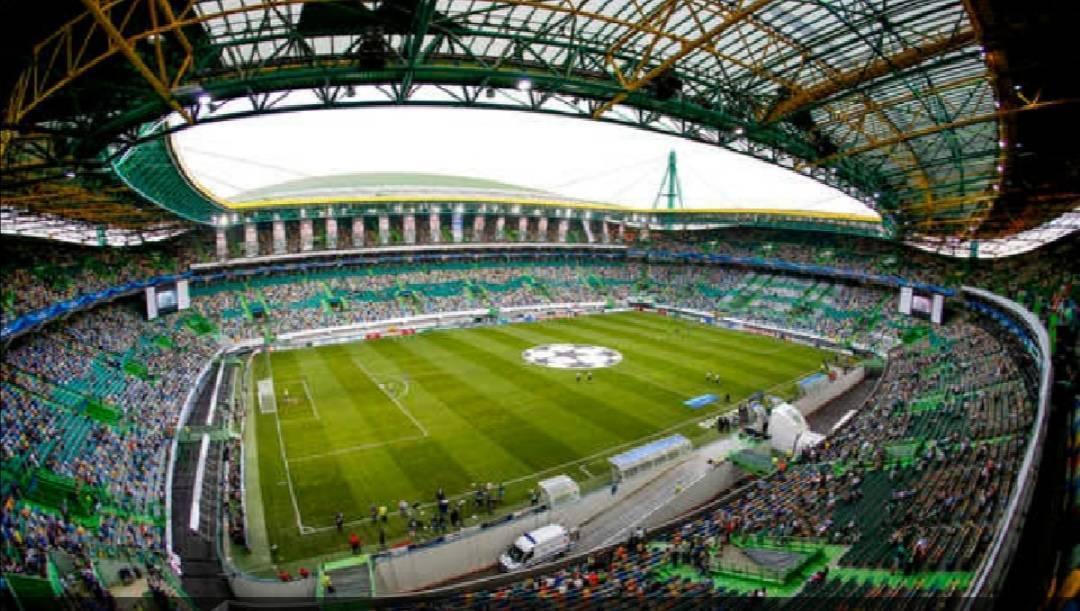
(532, 444)
(491, 417)
(692, 347)
(433, 403)
(577, 407)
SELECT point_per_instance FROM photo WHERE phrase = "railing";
(1013, 316)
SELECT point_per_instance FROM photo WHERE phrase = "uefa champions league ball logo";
(572, 356)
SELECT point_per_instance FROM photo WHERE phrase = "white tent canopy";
(559, 490)
(789, 431)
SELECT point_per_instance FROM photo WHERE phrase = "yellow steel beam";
(117, 38)
(869, 104)
(189, 51)
(661, 13)
(856, 76)
(64, 55)
(733, 18)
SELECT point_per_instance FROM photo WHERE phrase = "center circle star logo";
(572, 356)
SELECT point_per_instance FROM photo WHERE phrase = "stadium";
(539, 304)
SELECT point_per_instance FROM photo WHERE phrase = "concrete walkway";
(258, 542)
(618, 521)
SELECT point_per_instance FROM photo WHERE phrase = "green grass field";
(376, 422)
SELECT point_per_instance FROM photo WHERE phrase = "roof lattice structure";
(897, 102)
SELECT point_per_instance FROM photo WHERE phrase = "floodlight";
(524, 84)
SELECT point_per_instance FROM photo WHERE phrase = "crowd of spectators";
(49, 425)
(960, 396)
(933, 511)
(38, 273)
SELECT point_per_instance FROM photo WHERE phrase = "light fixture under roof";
(524, 84)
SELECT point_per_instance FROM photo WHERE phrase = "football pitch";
(376, 422)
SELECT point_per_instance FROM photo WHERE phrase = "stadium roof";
(359, 186)
(563, 161)
(946, 110)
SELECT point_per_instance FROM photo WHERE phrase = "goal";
(267, 401)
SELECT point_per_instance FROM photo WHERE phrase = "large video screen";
(922, 304)
(166, 299)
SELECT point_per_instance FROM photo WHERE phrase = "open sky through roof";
(577, 159)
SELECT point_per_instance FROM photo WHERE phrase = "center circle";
(572, 356)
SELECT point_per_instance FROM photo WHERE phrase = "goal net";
(267, 401)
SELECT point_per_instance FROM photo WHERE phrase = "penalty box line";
(351, 449)
(288, 475)
(400, 406)
(580, 462)
(302, 380)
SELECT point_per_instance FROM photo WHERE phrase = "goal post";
(267, 400)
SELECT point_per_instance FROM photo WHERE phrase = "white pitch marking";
(288, 474)
(358, 448)
(391, 396)
(311, 400)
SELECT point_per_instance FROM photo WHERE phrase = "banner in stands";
(456, 222)
(937, 309)
(384, 229)
(478, 227)
(151, 303)
(307, 238)
(331, 233)
(278, 233)
(251, 240)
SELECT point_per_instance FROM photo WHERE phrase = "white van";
(541, 545)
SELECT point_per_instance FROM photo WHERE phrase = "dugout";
(643, 458)
(559, 490)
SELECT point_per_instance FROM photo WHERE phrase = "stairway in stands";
(350, 582)
(203, 577)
